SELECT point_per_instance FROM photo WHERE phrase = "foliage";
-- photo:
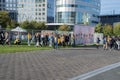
(108, 29)
(12, 24)
(41, 25)
(64, 28)
(116, 29)
(98, 28)
(25, 25)
(33, 25)
(4, 19)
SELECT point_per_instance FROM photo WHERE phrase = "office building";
(37, 10)
(77, 11)
(10, 6)
(110, 19)
(2, 5)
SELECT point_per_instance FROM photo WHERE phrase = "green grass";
(20, 48)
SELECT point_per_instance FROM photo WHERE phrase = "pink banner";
(84, 34)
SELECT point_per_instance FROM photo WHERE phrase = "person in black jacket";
(2, 37)
(97, 42)
(112, 43)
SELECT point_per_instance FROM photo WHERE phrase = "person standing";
(37, 39)
(55, 41)
(2, 37)
(118, 43)
(112, 42)
(72, 40)
(7, 38)
(105, 45)
(29, 38)
(97, 42)
(50, 39)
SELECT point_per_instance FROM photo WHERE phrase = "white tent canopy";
(18, 29)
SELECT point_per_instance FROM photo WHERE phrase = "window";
(43, 9)
(43, 13)
(44, 5)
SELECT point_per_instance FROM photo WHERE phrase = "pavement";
(61, 64)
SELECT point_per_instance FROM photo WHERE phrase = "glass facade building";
(77, 11)
(38, 10)
(10, 6)
(2, 5)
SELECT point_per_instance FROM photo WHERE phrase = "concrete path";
(62, 64)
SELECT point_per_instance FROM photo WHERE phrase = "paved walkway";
(62, 64)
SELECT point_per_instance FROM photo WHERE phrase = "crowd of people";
(56, 40)
(109, 42)
(39, 39)
(52, 39)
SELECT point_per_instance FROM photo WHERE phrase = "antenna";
(113, 12)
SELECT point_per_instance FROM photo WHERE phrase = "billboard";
(84, 34)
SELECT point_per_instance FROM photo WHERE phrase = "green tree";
(12, 24)
(64, 28)
(4, 19)
(33, 25)
(116, 29)
(99, 28)
(41, 26)
(108, 29)
(26, 25)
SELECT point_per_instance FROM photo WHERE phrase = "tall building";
(10, 6)
(38, 10)
(77, 11)
(110, 19)
(2, 5)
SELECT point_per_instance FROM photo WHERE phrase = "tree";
(4, 19)
(98, 28)
(41, 26)
(33, 25)
(107, 29)
(64, 28)
(12, 24)
(26, 25)
(116, 29)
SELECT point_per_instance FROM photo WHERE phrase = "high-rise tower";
(77, 11)
(37, 10)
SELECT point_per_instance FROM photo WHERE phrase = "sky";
(110, 7)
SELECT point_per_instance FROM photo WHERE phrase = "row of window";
(11, 1)
(38, 18)
(40, 5)
(40, 14)
(74, 17)
(39, 9)
(78, 6)
(94, 2)
(39, 0)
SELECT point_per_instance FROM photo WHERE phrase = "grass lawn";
(20, 48)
